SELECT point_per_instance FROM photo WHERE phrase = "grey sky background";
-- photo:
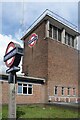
(17, 16)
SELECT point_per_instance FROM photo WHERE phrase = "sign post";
(12, 59)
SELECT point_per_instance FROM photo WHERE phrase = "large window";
(54, 32)
(69, 39)
(25, 88)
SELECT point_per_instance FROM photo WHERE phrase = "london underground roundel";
(10, 47)
(32, 40)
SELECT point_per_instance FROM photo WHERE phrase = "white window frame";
(27, 86)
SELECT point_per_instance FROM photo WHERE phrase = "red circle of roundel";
(10, 62)
(32, 40)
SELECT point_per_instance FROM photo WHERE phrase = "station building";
(51, 67)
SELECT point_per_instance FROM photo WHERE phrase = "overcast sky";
(16, 17)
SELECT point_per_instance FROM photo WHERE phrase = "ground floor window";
(55, 90)
(24, 88)
(62, 90)
(74, 91)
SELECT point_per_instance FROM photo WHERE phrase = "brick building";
(51, 68)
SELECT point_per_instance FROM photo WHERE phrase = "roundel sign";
(13, 54)
(10, 61)
(32, 40)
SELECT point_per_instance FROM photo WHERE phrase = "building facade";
(54, 58)
(51, 67)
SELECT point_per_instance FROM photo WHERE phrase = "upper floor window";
(69, 39)
(59, 34)
(50, 30)
(54, 32)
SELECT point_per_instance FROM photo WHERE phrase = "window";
(62, 90)
(72, 42)
(74, 91)
(25, 88)
(68, 39)
(59, 35)
(55, 90)
(55, 33)
(68, 91)
(19, 88)
(50, 30)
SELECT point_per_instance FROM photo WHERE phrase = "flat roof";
(21, 78)
(59, 21)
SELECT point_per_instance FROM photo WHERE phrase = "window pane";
(59, 35)
(62, 90)
(55, 33)
(68, 39)
(29, 90)
(50, 30)
(29, 85)
(24, 84)
(19, 84)
(24, 90)
(19, 89)
(73, 42)
(74, 91)
(68, 91)
(55, 90)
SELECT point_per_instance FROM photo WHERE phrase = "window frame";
(27, 86)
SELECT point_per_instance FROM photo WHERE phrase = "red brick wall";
(62, 67)
(35, 59)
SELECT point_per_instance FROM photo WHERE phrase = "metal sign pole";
(12, 97)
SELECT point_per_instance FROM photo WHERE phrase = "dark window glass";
(55, 33)
(24, 84)
(50, 30)
(24, 90)
(29, 90)
(62, 90)
(72, 42)
(59, 34)
(68, 39)
(68, 91)
(55, 90)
